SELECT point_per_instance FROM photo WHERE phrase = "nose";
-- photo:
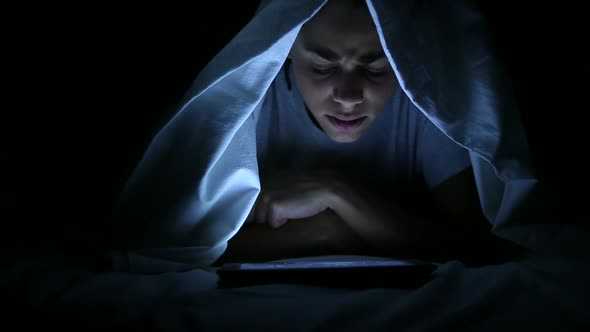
(348, 90)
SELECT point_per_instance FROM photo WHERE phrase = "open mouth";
(346, 125)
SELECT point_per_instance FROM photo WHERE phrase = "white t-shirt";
(401, 154)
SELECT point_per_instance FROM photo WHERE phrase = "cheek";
(379, 94)
(312, 90)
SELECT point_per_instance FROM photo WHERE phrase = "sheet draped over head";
(198, 179)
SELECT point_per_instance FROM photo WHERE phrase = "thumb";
(276, 219)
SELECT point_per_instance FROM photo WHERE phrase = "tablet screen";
(332, 271)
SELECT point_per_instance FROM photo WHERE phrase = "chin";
(345, 138)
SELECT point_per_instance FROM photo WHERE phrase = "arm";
(457, 229)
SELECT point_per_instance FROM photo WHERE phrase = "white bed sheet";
(542, 293)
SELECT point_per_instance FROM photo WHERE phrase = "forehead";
(345, 26)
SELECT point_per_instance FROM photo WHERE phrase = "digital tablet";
(329, 271)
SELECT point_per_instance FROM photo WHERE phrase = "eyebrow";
(330, 55)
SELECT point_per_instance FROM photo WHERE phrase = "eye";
(323, 70)
(376, 72)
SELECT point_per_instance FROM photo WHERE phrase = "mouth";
(346, 123)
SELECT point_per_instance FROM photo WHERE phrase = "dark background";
(89, 86)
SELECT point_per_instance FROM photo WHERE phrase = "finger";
(278, 223)
(275, 217)
(262, 208)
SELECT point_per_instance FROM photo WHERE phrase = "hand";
(287, 197)
(322, 234)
